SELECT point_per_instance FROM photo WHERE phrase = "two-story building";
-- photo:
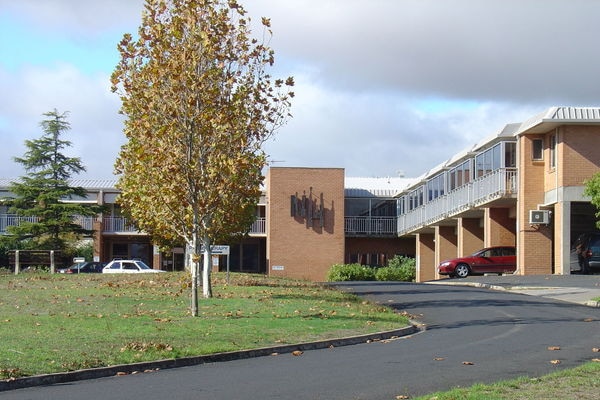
(521, 186)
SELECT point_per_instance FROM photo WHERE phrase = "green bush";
(399, 269)
(350, 272)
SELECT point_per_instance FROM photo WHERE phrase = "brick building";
(521, 186)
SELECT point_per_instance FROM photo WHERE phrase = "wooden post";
(17, 265)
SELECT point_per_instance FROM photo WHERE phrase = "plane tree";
(199, 104)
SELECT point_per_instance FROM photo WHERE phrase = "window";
(553, 151)
(510, 155)
(415, 198)
(487, 161)
(435, 187)
(537, 149)
(373, 207)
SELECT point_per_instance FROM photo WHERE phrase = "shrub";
(350, 272)
(399, 269)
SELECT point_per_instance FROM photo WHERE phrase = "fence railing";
(498, 184)
(259, 226)
(109, 224)
(370, 226)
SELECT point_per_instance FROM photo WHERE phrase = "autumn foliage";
(199, 104)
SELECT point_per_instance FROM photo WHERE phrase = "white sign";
(278, 268)
(223, 250)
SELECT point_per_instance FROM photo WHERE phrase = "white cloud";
(96, 130)
(382, 85)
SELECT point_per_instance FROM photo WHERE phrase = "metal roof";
(375, 187)
(556, 116)
(88, 184)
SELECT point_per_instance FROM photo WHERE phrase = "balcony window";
(488, 161)
(435, 187)
(460, 175)
(510, 155)
(370, 207)
(415, 198)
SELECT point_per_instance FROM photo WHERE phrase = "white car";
(128, 267)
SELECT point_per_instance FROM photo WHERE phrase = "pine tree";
(41, 193)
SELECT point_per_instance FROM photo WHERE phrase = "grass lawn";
(54, 323)
(582, 383)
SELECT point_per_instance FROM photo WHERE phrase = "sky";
(384, 88)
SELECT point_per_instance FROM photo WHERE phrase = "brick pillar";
(470, 236)
(425, 252)
(98, 241)
(445, 245)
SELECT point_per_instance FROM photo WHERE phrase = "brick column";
(445, 245)
(425, 252)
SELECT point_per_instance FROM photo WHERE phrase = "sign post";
(220, 250)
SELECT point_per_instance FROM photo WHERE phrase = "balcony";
(259, 227)
(370, 226)
(7, 220)
(110, 225)
(498, 184)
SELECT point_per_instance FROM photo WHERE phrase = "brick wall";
(500, 227)
(579, 157)
(297, 245)
(446, 241)
(534, 243)
(470, 236)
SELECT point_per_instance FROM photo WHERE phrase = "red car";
(497, 260)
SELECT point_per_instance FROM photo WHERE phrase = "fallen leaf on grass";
(596, 359)
(553, 348)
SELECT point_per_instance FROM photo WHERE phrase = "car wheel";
(461, 270)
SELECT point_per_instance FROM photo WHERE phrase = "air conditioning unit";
(539, 217)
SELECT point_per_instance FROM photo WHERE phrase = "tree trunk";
(194, 257)
(206, 285)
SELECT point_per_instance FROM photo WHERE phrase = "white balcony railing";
(118, 225)
(370, 226)
(495, 185)
(111, 225)
(259, 227)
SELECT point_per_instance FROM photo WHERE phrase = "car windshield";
(142, 265)
(481, 253)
